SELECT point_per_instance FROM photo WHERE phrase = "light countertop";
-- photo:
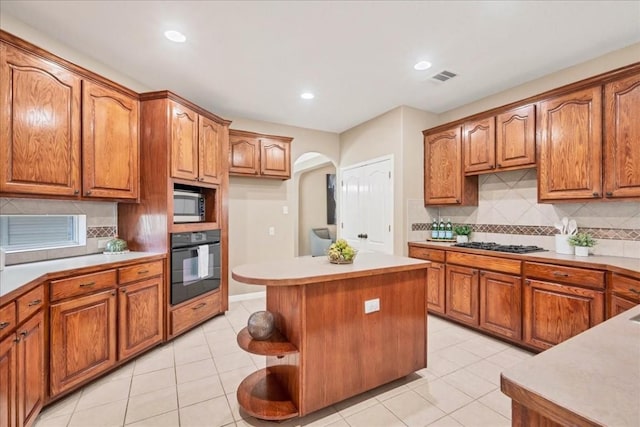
(15, 276)
(306, 270)
(595, 374)
(592, 261)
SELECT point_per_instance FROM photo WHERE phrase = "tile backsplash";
(102, 222)
(508, 212)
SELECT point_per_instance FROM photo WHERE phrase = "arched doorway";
(311, 171)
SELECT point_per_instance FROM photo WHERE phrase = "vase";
(462, 239)
(562, 244)
(582, 251)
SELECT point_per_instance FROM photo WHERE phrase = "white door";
(366, 206)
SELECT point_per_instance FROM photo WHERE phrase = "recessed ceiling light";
(307, 95)
(175, 36)
(422, 65)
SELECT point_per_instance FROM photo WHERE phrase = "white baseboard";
(244, 297)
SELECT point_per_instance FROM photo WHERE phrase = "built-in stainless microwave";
(188, 206)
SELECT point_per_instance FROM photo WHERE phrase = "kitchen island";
(341, 330)
(592, 379)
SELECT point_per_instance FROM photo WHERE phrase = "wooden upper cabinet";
(479, 141)
(622, 138)
(252, 154)
(516, 138)
(109, 143)
(244, 154)
(40, 125)
(184, 142)
(210, 136)
(444, 183)
(275, 158)
(570, 130)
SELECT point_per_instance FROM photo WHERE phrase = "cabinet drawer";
(195, 312)
(483, 262)
(625, 286)
(7, 318)
(81, 285)
(30, 303)
(139, 272)
(556, 273)
(425, 253)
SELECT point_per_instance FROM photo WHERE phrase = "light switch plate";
(272, 231)
(371, 305)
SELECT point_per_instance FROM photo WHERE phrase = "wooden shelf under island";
(365, 323)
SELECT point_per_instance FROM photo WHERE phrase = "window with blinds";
(34, 232)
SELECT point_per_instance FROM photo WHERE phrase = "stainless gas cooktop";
(490, 246)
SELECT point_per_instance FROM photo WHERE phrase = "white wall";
(312, 211)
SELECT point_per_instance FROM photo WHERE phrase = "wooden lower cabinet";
(197, 310)
(139, 317)
(554, 312)
(22, 374)
(462, 294)
(501, 304)
(435, 288)
(619, 305)
(83, 337)
(624, 294)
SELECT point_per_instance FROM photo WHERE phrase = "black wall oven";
(195, 264)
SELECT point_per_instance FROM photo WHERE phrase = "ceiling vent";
(443, 76)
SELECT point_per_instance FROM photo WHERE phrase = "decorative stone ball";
(261, 325)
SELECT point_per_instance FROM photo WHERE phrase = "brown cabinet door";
(8, 391)
(39, 126)
(83, 339)
(479, 142)
(275, 158)
(442, 168)
(109, 143)
(501, 304)
(570, 129)
(244, 155)
(184, 142)
(622, 138)
(140, 317)
(209, 159)
(554, 313)
(435, 288)
(516, 138)
(462, 294)
(618, 304)
(30, 369)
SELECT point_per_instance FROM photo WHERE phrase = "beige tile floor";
(192, 381)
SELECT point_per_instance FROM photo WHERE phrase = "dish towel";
(203, 261)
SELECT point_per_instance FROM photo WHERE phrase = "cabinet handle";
(113, 294)
(76, 191)
(34, 302)
(17, 339)
(4, 325)
(482, 273)
(491, 167)
(527, 282)
(635, 291)
(143, 271)
(24, 333)
(124, 291)
(560, 274)
(596, 194)
(88, 192)
(199, 306)
(87, 285)
(609, 193)
(457, 200)
(499, 165)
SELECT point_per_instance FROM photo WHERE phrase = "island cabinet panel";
(570, 130)
(554, 312)
(501, 304)
(110, 143)
(462, 294)
(184, 142)
(479, 142)
(444, 183)
(621, 138)
(39, 125)
(516, 138)
(140, 317)
(83, 339)
(436, 288)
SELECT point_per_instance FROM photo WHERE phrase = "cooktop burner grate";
(491, 246)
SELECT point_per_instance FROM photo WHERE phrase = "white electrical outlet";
(272, 231)
(371, 305)
(102, 243)
(285, 210)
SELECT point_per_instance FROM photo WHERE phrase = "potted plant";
(462, 232)
(582, 242)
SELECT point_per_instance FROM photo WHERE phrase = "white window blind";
(34, 232)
